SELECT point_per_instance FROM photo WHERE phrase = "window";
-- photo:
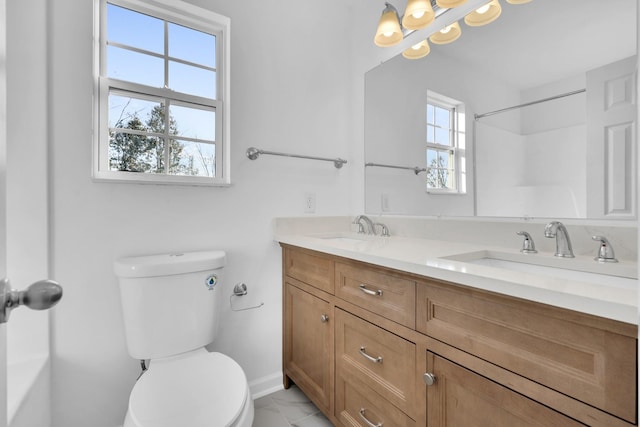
(162, 93)
(445, 144)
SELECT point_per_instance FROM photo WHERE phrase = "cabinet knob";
(429, 378)
(324, 318)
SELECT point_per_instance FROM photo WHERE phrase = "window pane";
(431, 134)
(442, 136)
(433, 180)
(124, 26)
(432, 158)
(133, 113)
(430, 114)
(193, 158)
(443, 159)
(135, 67)
(443, 118)
(135, 153)
(192, 80)
(194, 122)
(192, 45)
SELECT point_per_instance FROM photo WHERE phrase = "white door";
(3, 217)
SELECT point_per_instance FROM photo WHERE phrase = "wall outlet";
(310, 202)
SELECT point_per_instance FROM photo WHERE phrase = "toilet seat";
(195, 389)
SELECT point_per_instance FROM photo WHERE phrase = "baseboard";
(266, 385)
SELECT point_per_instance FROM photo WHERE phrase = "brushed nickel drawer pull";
(364, 289)
(324, 318)
(364, 354)
(369, 423)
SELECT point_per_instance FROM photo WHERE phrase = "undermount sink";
(342, 239)
(588, 271)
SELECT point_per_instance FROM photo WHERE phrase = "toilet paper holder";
(239, 290)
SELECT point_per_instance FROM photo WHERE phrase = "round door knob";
(41, 295)
(324, 318)
(429, 378)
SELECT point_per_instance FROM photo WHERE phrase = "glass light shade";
(518, 1)
(418, 14)
(417, 51)
(389, 32)
(448, 4)
(484, 15)
(447, 35)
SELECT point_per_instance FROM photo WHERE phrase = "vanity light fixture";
(389, 32)
(417, 51)
(484, 15)
(448, 4)
(418, 14)
(446, 35)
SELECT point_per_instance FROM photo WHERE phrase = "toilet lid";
(199, 389)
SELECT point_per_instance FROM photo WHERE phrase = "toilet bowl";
(197, 389)
(170, 308)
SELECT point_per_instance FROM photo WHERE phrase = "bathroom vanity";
(374, 345)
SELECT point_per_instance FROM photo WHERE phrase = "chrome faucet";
(605, 251)
(384, 230)
(528, 246)
(368, 224)
(563, 243)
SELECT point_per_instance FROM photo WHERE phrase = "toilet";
(171, 306)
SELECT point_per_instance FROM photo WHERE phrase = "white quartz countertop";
(612, 294)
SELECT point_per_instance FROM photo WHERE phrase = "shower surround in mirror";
(563, 158)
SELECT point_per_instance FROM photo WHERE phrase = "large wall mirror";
(545, 103)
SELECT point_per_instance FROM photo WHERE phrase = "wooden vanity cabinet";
(359, 341)
(308, 345)
(461, 397)
(590, 359)
(308, 333)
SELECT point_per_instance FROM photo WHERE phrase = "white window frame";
(181, 13)
(458, 143)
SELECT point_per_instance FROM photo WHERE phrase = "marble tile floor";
(287, 408)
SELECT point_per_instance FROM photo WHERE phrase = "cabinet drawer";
(378, 358)
(577, 355)
(378, 291)
(311, 269)
(359, 406)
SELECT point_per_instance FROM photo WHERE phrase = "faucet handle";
(384, 229)
(605, 251)
(528, 246)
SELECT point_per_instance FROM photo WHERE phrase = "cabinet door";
(308, 345)
(460, 397)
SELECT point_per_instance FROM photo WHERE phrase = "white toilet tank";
(170, 302)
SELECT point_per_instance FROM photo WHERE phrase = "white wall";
(27, 213)
(292, 88)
